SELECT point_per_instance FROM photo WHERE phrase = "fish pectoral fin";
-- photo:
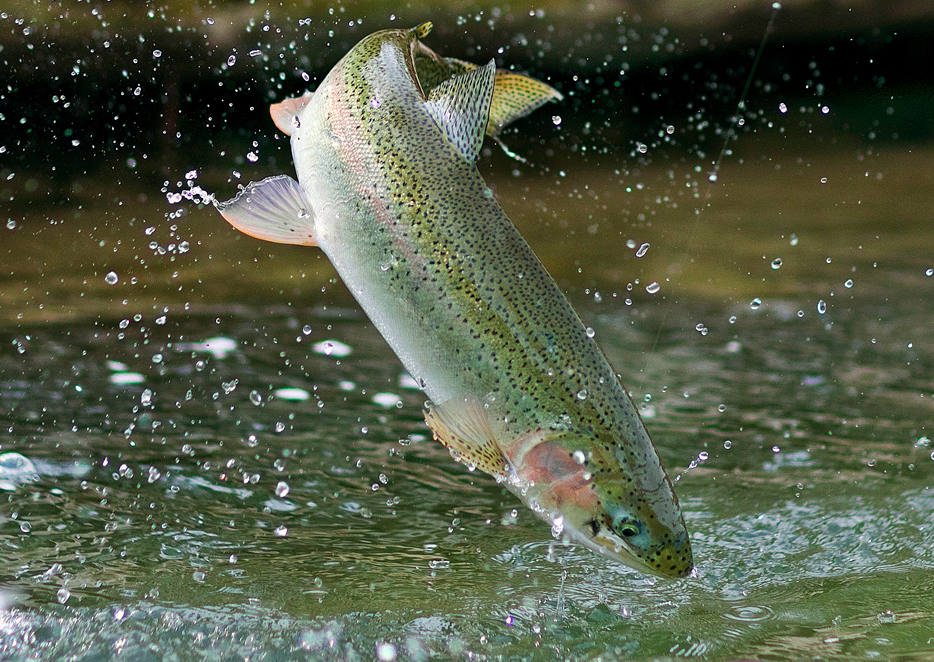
(460, 105)
(515, 96)
(285, 113)
(463, 426)
(274, 209)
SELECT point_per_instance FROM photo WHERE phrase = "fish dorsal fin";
(461, 107)
(286, 113)
(514, 95)
(463, 426)
(274, 209)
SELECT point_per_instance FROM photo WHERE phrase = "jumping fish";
(385, 151)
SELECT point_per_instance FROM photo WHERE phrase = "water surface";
(221, 458)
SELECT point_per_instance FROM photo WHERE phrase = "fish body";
(385, 151)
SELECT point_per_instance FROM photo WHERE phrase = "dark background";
(87, 85)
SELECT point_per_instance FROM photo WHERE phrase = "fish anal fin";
(463, 426)
(460, 106)
(515, 96)
(285, 113)
(274, 209)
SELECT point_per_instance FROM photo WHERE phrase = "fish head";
(620, 506)
(639, 525)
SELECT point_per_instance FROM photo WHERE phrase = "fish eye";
(626, 527)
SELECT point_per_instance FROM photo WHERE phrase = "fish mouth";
(671, 560)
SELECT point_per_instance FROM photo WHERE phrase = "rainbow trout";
(385, 150)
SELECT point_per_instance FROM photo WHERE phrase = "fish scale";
(385, 152)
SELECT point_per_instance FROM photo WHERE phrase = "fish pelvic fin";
(274, 209)
(286, 113)
(463, 426)
(460, 105)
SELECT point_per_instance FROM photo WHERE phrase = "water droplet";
(590, 332)
(777, 263)
(643, 249)
(374, 103)
(848, 284)
(701, 329)
(756, 303)
(782, 108)
(793, 240)
(822, 306)
(385, 652)
(10, 224)
(255, 52)
(111, 278)
(556, 119)
(157, 53)
(387, 399)
(557, 526)
(332, 348)
(252, 157)
(232, 60)
(653, 287)
(929, 272)
(728, 444)
(25, 527)
(145, 397)
(582, 394)
(579, 456)
(282, 489)
(256, 398)
(293, 393)
(16, 468)
(63, 595)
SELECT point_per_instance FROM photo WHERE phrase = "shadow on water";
(208, 451)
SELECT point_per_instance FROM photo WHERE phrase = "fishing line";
(714, 175)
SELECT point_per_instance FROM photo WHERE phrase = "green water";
(207, 452)
(182, 505)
